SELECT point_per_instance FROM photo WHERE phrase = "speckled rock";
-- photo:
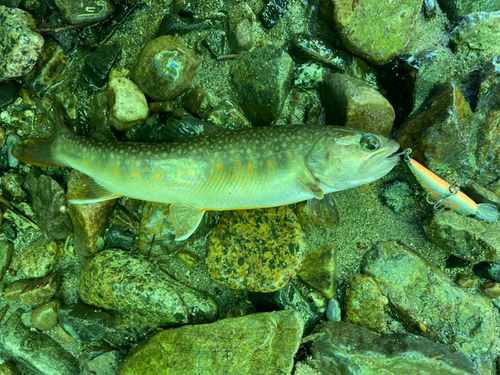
(9, 369)
(117, 281)
(86, 11)
(85, 323)
(434, 132)
(256, 250)
(467, 238)
(6, 252)
(36, 351)
(44, 317)
(351, 102)
(165, 68)
(379, 38)
(423, 296)
(40, 290)
(320, 270)
(364, 303)
(263, 79)
(348, 349)
(20, 46)
(89, 220)
(457, 9)
(127, 103)
(12, 182)
(37, 258)
(228, 116)
(198, 8)
(262, 344)
(50, 206)
(477, 35)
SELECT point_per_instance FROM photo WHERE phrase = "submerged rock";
(37, 258)
(465, 237)
(85, 323)
(423, 296)
(259, 343)
(347, 349)
(40, 290)
(6, 252)
(379, 38)
(165, 68)
(86, 11)
(320, 270)
(457, 9)
(256, 250)
(44, 317)
(145, 296)
(20, 46)
(263, 78)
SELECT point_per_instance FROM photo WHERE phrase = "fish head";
(346, 158)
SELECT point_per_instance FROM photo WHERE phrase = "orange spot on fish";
(419, 177)
(220, 167)
(135, 174)
(269, 163)
(99, 164)
(455, 206)
(86, 161)
(240, 180)
(232, 176)
(424, 183)
(222, 180)
(157, 176)
(429, 188)
(434, 194)
(116, 171)
(210, 180)
(249, 167)
(446, 203)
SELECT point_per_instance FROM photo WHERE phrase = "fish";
(446, 196)
(227, 170)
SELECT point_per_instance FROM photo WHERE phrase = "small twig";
(118, 24)
(229, 56)
(66, 244)
(63, 28)
(30, 222)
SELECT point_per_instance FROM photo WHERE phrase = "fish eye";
(369, 142)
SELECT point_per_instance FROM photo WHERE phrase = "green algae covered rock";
(256, 250)
(377, 38)
(165, 68)
(320, 270)
(263, 344)
(423, 296)
(348, 349)
(457, 9)
(140, 292)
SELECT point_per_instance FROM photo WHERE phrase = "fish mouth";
(382, 162)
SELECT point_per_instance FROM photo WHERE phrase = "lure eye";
(369, 142)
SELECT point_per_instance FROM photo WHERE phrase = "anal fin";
(315, 190)
(89, 191)
(185, 219)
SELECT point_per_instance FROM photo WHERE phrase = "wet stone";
(50, 206)
(477, 35)
(318, 213)
(216, 43)
(104, 364)
(99, 63)
(9, 369)
(241, 36)
(172, 24)
(305, 47)
(399, 196)
(333, 312)
(364, 303)
(272, 12)
(263, 78)
(288, 298)
(13, 291)
(89, 220)
(193, 99)
(86, 11)
(320, 270)
(487, 270)
(434, 132)
(44, 317)
(85, 323)
(464, 237)
(198, 8)
(466, 281)
(12, 183)
(457, 9)
(378, 39)
(189, 259)
(127, 103)
(162, 107)
(155, 231)
(20, 46)
(348, 349)
(491, 290)
(267, 342)
(40, 290)
(420, 292)
(144, 295)
(228, 116)
(165, 68)
(353, 103)
(256, 250)
(37, 258)
(39, 353)
(6, 252)
(49, 70)
(409, 80)
(9, 92)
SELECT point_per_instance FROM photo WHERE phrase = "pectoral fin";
(90, 191)
(315, 190)
(324, 211)
(185, 219)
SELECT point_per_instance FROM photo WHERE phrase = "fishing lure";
(443, 195)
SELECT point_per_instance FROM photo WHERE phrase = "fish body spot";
(99, 164)
(220, 167)
(157, 176)
(86, 161)
(250, 167)
(270, 164)
(116, 171)
(135, 174)
(210, 180)
(238, 164)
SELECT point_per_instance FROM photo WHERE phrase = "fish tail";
(487, 212)
(41, 151)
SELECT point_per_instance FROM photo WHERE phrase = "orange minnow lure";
(447, 196)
